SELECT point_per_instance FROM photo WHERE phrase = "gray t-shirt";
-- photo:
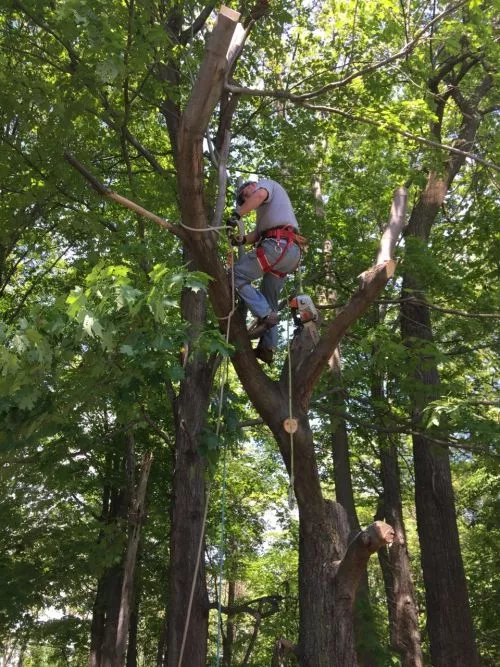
(277, 210)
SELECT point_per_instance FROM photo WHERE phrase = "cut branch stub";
(208, 85)
(291, 425)
(378, 535)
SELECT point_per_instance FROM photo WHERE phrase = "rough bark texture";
(449, 621)
(188, 504)
(395, 564)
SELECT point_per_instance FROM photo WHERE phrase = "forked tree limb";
(372, 282)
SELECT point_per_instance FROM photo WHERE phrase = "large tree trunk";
(187, 625)
(395, 562)
(449, 621)
(344, 494)
(327, 589)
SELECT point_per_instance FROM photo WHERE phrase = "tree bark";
(344, 494)
(449, 621)
(395, 562)
(187, 626)
(107, 601)
(324, 635)
(136, 518)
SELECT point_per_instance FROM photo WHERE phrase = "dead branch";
(247, 608)
(123, 201)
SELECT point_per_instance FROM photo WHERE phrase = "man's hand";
(236, 239)
(234, 220)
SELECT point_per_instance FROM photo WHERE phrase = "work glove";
(237, 240)
(234, 219)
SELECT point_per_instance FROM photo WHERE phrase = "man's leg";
(271, 289)
(246, 270)
(272, 285)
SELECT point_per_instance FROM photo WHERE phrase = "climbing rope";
(291, 496)
(224, 478)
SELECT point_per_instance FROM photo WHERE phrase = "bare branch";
(127, 203)
(420, 302)
(197, 25)
(402, 53)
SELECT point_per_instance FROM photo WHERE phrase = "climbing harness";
(290, 235)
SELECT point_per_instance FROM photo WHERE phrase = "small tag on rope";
(291, 497)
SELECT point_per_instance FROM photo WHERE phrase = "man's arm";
(252, 237)
(254, 201)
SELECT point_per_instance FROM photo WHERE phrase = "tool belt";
(286, 232)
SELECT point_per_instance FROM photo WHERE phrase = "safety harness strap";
(278, 233)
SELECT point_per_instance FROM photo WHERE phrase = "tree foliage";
(93, 345)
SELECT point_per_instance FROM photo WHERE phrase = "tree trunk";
(228, 639)
(107, 601)
(187, 626)
(449, 621)
(97, 625)
(136, 518)
(326, 590)
(395, 564)
(113, 601)
(344, 494)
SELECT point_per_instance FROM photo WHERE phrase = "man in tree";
(275, 255)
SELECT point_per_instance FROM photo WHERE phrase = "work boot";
(270, 320)
(262, 324)
(265, 354)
